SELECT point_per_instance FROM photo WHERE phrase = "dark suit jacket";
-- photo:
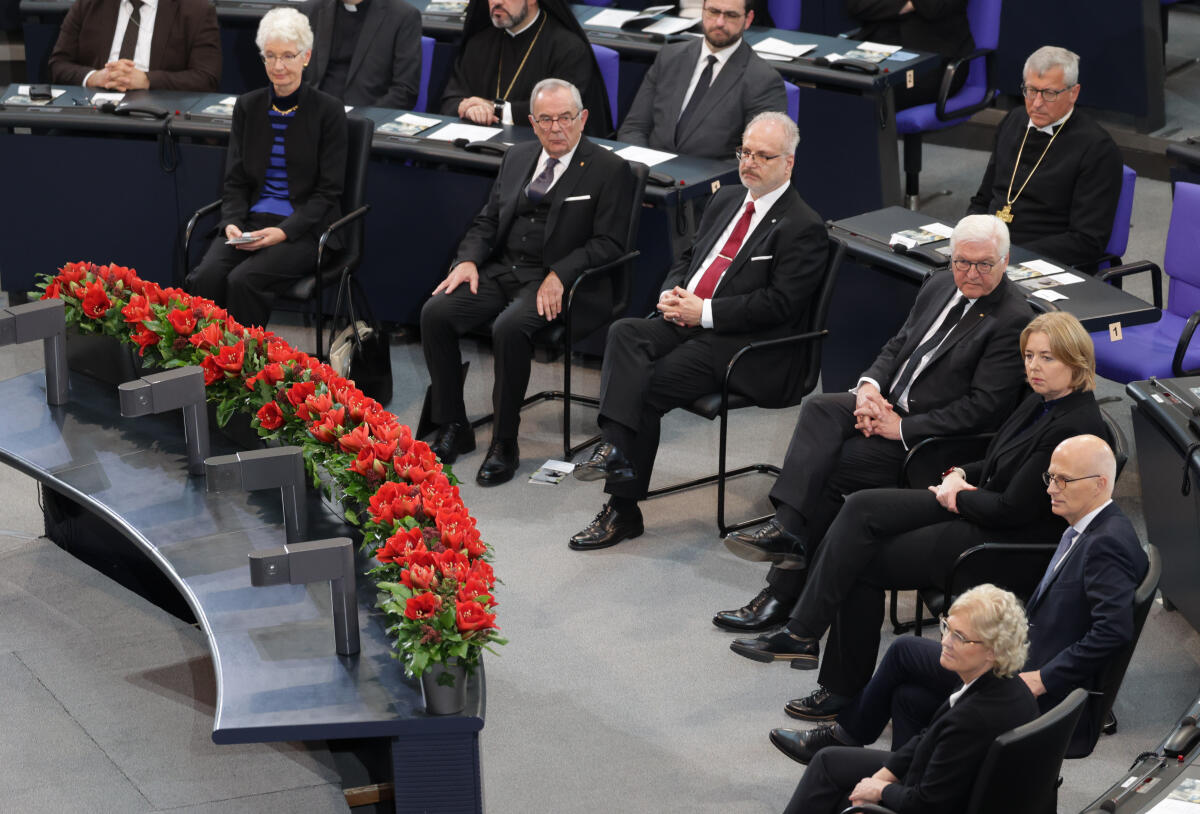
(746, 86)
(937, 768)
(386, 68)
(185, 49)
(1011, 493)
(1085, 614)
(765, 292)
(975, 376)
(315, 148)
(589, 211)
(936, 26)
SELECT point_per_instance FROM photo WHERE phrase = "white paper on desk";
(644, 155)
(878, 46)
(670, 25)
(457, 130)
(1042, 266)
(774, 45)
(939, 229)
(767, 55)
(23, 90)
(902, 56)
(101, 98)
(1049, 294)
(1066, 278)
(611, 18)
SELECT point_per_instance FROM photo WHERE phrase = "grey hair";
(790, 131)
(556, 84)
(999, 622)
(284, 25)
(1049, 57)
(981, 229)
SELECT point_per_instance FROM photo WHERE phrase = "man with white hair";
(759, 254)
(1055, 175)
(954, 368)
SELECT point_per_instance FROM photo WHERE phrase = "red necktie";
(708, 283)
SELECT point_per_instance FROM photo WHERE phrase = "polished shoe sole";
(793, 712)
(782, 748)
(800, 661)
(749, 551)
(591, 473)
(574, 546)
(738, 627)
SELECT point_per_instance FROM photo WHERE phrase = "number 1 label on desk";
(1114, 332)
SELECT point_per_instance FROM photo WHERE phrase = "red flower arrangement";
(434, 579)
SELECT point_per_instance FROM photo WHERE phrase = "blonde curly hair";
(999, 622)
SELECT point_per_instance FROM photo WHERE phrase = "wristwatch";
(498, 109)
(962, 473)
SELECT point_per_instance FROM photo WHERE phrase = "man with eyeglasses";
(1055, 175)
(954, 368)
(125, 45)
(759, 254)
(559, 205)
(698, 95)
(1080, 614)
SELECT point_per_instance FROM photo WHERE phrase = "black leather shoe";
(769, 543)
(804, 654)
(607, 463)
(762, 613)
(608, 529)
(821, 705)
(500, 465)
(802, 746)
(452, 440)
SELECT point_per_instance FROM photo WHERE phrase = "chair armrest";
(1138, 268)
(962, 447)
(764, 344)
(951, 71)
(1181, 348)
(996, 551)
(191, 224)
(603, 268)
(333, 227)
(868, 808)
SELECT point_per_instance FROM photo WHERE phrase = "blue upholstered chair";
(426, 70)
(1118, 241)
(793, 100)
(785, 13)
(1162, 348)
(610, 68)
(976, 94)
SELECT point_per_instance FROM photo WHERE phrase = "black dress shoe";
(762, 613)
(500, 465)
(804, 654)
(768, 543)
(609, 528)
(607, 463)
(821, 705)
(452, 440)
(802, 746)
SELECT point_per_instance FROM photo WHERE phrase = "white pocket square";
(763, 257)
(577, 198)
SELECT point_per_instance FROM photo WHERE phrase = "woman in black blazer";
(283, 179)
(908, 538)
(984, 641)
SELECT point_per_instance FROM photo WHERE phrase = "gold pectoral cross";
(1005, 214)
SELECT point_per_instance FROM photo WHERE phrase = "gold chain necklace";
(500, 64)
(1006, 214)
(291, 109)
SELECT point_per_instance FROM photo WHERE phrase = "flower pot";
(439, 698)
(102, 357)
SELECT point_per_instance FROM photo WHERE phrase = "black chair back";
(354, 189)
(1116, 441)
(819, 317)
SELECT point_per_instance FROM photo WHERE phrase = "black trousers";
(245, 282)
(827, 459)
(650, 367)
(825, 786)
(446, 317)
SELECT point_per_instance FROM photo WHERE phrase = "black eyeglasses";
(958, 638)
(1060, 481)
(753, 157)
(1047, 94)
(562, 120)
(730, 16)
(963, 266)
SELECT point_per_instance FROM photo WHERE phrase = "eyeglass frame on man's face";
(730, 16)
(563, 120)
(758, 159)
(962, 266)
(285, 59)
(1048, 94)
(955, 636)
(1061, 482)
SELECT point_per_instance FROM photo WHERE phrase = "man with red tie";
(759, 254)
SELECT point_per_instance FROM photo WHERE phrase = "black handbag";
(361, 351)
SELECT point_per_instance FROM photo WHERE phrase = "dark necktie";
(1064, 545)
(129, 41)
(538, 186)
(951, 319)
(712, 275)
(697, 97)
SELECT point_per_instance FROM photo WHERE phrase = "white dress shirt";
(141, 51)
(559, 168)
(722, 55)
(957, 694)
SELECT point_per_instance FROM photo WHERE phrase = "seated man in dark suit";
(559, 206)
(123, 45)
(759, 255)
(366, 52)
(698, 96)
(1055, 175)
(510, 45)
(1079, 616)
(942, 374)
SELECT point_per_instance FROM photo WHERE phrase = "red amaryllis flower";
(207, 337)
(52, 291)
(144, 338)
(365, 464)
(270, 417)
(402, 544)
(423, 606)
(212, 373)
(230, 357)
(315, 405)
(475, 590)
(482, 571)
(95, 302)
(298, 392)
(355, 440)
(137, 310)
(325, 430)
(420, 577)
(182, 321)
(153, 293)
(470, 616)
(393, 501)
(453, 564)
